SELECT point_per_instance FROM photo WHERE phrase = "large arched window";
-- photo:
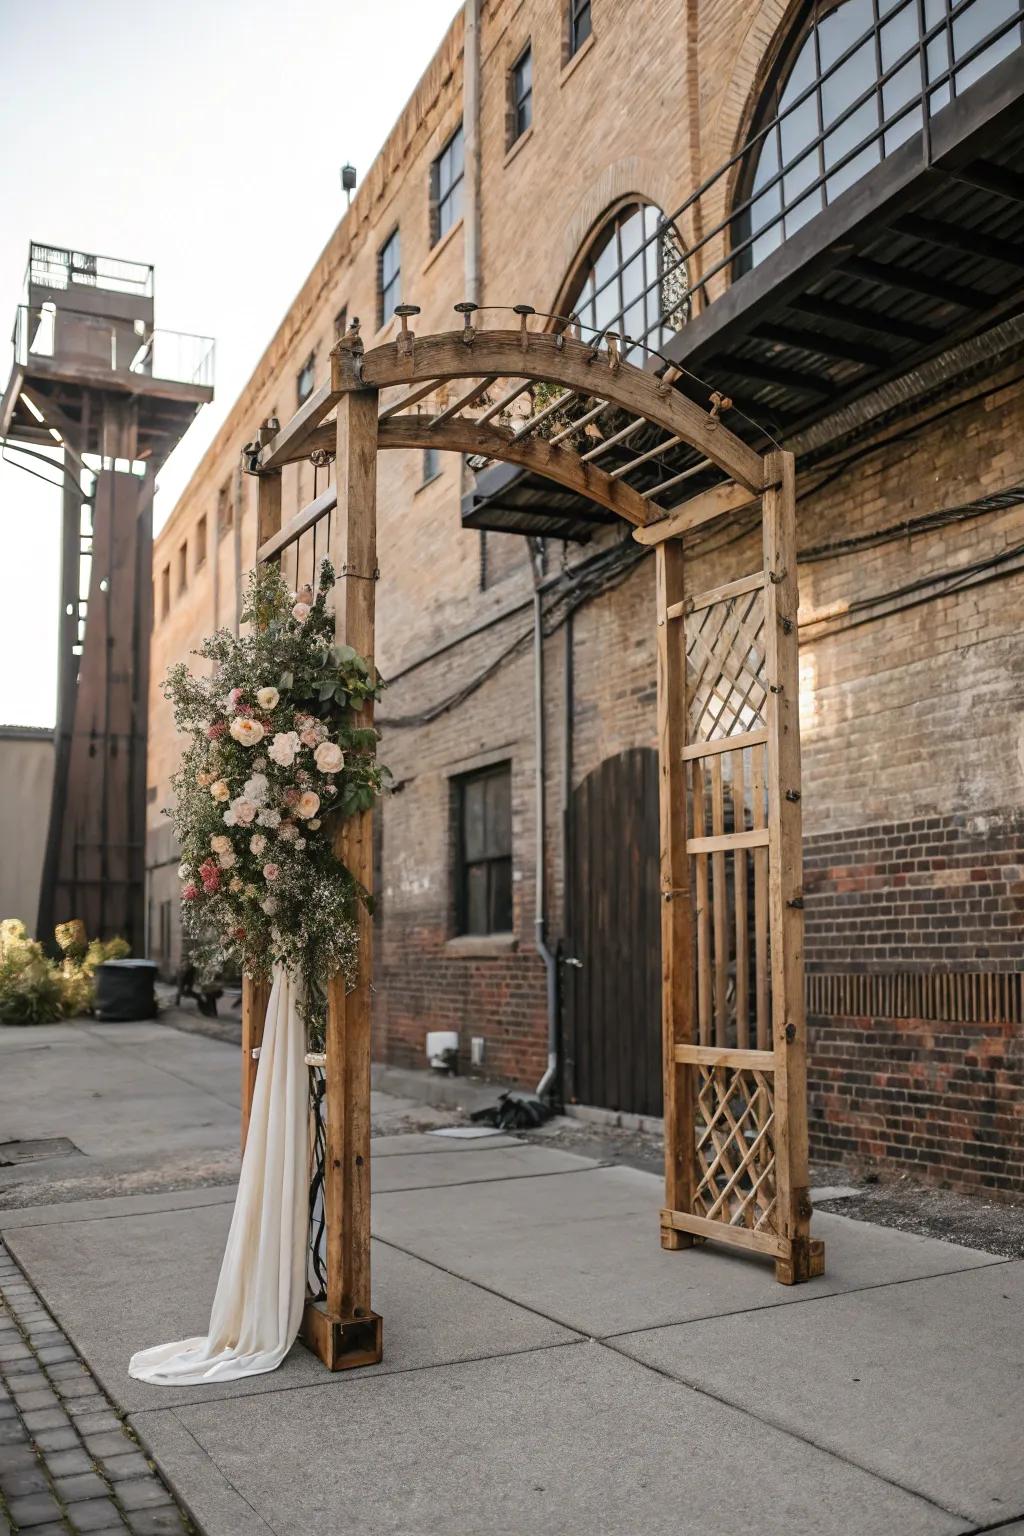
(632, 279)
(851, 87)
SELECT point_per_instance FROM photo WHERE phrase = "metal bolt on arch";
(734, 1038)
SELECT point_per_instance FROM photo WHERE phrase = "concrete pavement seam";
(217, 1468)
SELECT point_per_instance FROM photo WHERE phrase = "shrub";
(37, 990)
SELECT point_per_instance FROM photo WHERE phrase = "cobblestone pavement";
(67, 1462)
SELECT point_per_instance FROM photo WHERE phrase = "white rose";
(246, 731)
(301, 612)
(220, 790)
(283, 748)
(267, 699)
(329, 757)
(314, 825)
(255, 789)
(257, 843)
(229, 817)
(308, 805)
(245, 811)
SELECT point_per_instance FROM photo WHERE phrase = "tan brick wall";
(910, 716)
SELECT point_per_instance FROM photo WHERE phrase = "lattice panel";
(725, 664)
(735, 1123)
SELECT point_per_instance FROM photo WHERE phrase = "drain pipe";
(547, 1082)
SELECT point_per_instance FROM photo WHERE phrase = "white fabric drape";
(258, 1304)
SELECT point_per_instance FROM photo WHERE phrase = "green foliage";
(37, 990)
(276, 757)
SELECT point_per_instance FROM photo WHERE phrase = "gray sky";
(154, 130)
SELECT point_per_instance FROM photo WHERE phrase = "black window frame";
(520, 100)
(494, 858)
(446, 188)
(581, 26)
(305, 379)
(394, 282)
(431, 465)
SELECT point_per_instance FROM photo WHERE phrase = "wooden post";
(256, 994)
(342, 1329)
(676, 961)
(801, 1257)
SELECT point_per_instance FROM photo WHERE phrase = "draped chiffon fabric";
(260, 1295)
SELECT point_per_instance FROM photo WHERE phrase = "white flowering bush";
(275, 759)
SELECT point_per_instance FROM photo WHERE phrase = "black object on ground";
(125, 990)
(514, 1112)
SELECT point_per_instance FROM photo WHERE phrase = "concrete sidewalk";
(547, 1365)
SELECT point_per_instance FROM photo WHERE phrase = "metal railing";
(54, 266)
(727, 224)
(77, 338)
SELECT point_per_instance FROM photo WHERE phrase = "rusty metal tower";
(93, 377)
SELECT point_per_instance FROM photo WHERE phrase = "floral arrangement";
(276, 759)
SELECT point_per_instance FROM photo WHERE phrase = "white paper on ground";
(467, 1132)
(260, 1295)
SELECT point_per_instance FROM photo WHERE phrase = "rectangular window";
(446, 177)
(225, 511)
(431, 464)
(389, 279)
(580, 27)
(201, 542)
(165, 591)
(305, 379)
(484, 851)
(521, 95)
(341, 322)
(183, 566)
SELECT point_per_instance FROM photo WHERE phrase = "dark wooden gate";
(613, 997)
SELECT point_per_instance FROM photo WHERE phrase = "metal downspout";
(540, 919)
(471, 131)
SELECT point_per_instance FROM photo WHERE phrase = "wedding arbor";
(734, 1039)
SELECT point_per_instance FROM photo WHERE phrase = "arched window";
(632, 279)
(850, 88)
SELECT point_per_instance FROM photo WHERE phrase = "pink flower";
(308, 805)
(291, 796)
(329, 757)
(239, 934)
(308, 737)
(215, 731)
(191, 891)
(245, 710)
(270, 871)
(236, 697)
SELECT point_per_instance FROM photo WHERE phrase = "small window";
(521, 95)
(182, 566)
(341, 322)
(580, 27)
(225, 510)
(484, 851)
(200, 542)
(446, 177)
(431, 464)
(389, 279)
(304, 382)
(165, 591)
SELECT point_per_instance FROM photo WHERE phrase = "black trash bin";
(125, 990)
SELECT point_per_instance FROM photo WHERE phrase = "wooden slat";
(723, 593)
(742, 943)
(785, 878)
(717, 1056)
(296, 526)
(717, 502)
(703, 912)
(531, 422)
(667, 485)
(642, 458)
(677, 990)
(412, 398)
(469, 398)
(740, 1237)
(720, 912)
(761, 993)
(724, 744)
(756, 837)
(291, 439)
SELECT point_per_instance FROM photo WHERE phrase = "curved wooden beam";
(463, 435)
(552, 359)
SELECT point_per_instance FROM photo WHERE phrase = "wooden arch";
(729, 761)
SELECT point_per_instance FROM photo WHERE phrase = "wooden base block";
(803, 1262)
(342, 1344)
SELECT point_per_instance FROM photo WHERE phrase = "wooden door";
(612, 997)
